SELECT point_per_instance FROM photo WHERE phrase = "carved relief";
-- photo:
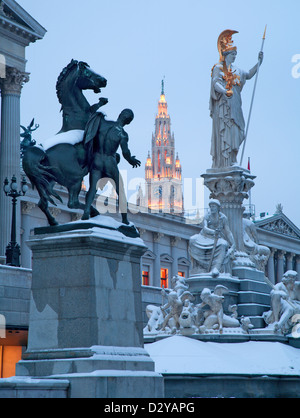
(280, 227)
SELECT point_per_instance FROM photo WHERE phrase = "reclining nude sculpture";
(285, 304)
(213, 247)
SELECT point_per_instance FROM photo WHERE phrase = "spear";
(253, 95)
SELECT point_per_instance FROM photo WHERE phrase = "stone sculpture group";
(213, 249)
(181, 316)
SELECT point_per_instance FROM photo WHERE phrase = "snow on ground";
(182, 355)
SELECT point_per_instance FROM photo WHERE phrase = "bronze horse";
(63, 163)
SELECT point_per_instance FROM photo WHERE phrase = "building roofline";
(35, 28)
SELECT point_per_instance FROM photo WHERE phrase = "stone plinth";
(85, 290)
(254, 295)
(86, 315)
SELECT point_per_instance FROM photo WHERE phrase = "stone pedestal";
(86, 315)
(231, 186)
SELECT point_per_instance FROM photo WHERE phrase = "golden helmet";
(225, 42)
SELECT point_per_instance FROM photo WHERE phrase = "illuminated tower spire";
(163, 169)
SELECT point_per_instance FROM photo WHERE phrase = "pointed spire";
(163, 87)
(162, 104)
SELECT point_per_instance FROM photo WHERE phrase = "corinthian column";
(11, 87)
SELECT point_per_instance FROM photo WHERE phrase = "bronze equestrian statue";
(67, 164)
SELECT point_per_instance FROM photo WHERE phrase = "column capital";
(174, 241)
(13, 81)
(27, 207)
(290, 256)
(281, 254)
(141, 231)
(157, 236)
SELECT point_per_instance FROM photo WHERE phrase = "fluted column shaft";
(290, 261)
(280, 266)
(271, 267)
(11, 88)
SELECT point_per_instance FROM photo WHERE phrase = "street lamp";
(13, 249)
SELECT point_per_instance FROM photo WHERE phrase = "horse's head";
(89, 79)
(73, 79)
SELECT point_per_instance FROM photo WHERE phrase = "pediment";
(150, 255)
(14, 18)
(166, 258)
(182, 261)
(279, 224)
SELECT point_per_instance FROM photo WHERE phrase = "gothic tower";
(163, 172)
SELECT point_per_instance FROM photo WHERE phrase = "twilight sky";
(135, 43)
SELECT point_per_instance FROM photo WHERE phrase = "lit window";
(9, 357)
(181, 273)
(145, 278)
(164, 278)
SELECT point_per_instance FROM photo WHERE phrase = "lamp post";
(13, 249)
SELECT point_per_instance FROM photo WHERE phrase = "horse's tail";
(39, 174)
